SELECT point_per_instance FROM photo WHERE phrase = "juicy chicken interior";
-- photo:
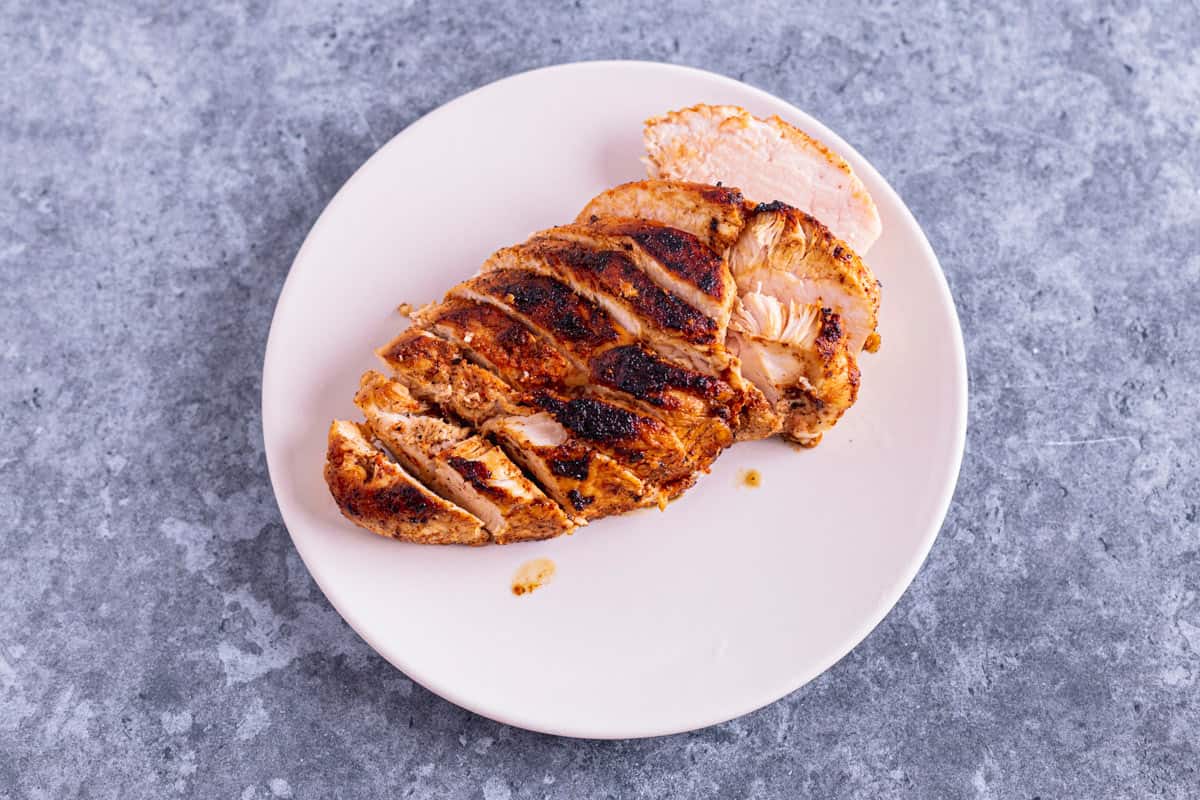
(769, 160)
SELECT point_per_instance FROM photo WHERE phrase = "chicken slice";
(648, 445)
(588, 483)
(798, 356)
(377, 494)
(503, 344)
(769, 160)
(713, 214)
(462, 467)
(438, 372)
(680, 263)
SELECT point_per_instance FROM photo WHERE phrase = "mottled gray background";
(159, 169)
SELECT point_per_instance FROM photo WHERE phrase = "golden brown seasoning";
(405, 309)
(533, 574)
(751, 478)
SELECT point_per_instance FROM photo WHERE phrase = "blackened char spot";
(722, 195)
(634, 370)
(615, 272)
(405, 502)
(574, 468)
(774, 205)
(554, 306)
(579, 501)
(475, 473)
(591, 419)
(830, 334)
(684, 255)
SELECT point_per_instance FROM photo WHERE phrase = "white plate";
(656, 622)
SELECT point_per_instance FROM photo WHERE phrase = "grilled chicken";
(377, 494)
(586, 482)
(602, 365)
(807, 305)
(769, 160)
(458, 465)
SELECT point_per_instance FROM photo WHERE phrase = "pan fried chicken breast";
(377, 494)
(769, 160)
(458, 465)
(587, 483)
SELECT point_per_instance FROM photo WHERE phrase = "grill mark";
(830, 334)
(616, 273)
(722, 195)
(773, 206)
(552, 305)
(402, 501)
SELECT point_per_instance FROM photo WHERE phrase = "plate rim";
(856, 636)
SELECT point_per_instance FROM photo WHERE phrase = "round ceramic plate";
(657, 622)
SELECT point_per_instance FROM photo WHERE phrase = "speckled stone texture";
(158, 171)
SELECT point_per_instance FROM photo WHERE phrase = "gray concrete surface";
(158, 170)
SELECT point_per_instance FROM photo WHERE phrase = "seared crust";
(375, 493)
(501, 343)
(548, 304)
(614, 273)
(713, 214)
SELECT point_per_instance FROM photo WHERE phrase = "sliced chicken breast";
(588, 483)
(458, 465)
(769, 160)
(375, 493)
